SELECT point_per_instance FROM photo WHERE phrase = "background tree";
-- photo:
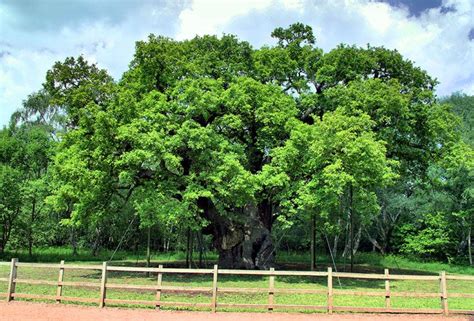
(24, 157)
(463, 106)
(10, 202)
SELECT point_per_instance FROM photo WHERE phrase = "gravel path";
(25, 311)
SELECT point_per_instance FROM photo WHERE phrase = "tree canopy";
(225, 139)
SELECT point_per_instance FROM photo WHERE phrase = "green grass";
(364, 263)
(56, 254)
(288, 261)
(377, 262)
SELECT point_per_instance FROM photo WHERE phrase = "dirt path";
(23, 311)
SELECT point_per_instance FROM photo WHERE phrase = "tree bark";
(313, 242)
(336, 241)
(73, 241)
(191, 248)
(201, 248)
(30, 228)
(245, 242)
(374, 242)
(351, 213)
(248, 245)
(95, 247)
(188, 243)
(469, 245)
(148, 250)
(357, 241)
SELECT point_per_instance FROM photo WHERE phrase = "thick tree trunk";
(245, 242)
(248, 245)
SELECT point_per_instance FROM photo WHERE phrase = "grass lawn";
(368, 263)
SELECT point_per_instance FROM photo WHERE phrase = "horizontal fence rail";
(213, 290)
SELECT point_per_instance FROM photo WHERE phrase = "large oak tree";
(215, 134)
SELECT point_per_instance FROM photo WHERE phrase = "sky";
(437, 35)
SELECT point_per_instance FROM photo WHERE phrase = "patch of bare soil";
(25, 311)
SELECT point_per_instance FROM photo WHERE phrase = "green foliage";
(322, 161)
(198, 133)
(10, 201)
(427, 237)
(74, 84)
(24, 158)
(463, 106)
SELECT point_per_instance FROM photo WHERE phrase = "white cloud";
(435, 41)
(20, 74)
(26, 54)
(378, 16)
(209, 16)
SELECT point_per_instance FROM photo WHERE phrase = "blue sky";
(438, 35)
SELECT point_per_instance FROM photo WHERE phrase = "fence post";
(11, 280)
(103, 287)
(330, 290)
(387, 289)
(444, 293)
(271, 290)
(158, 284)
(214, 289)
(59, 291)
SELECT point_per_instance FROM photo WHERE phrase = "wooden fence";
(213, 291)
